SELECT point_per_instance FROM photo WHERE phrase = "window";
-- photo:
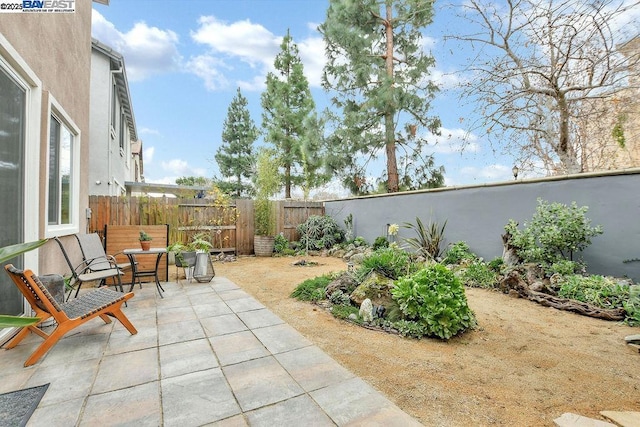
(123, 132)
(63, 162)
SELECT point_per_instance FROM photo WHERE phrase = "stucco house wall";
(55, 49)
(111, 165)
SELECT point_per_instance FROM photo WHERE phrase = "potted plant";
(267, 184)
(145, 240)
(6, 253)
(186, 254)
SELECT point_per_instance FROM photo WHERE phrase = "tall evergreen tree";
(379, 69)
(287, 105)
(236, 156)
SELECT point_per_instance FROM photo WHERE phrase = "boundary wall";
(477, 214)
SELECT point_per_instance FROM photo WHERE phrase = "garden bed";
(525, 364)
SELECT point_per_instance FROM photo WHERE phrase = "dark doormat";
(16, 407)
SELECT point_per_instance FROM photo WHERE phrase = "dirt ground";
(524, 365)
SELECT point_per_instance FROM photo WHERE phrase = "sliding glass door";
(12, 152)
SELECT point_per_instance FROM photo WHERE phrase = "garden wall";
(478, 214)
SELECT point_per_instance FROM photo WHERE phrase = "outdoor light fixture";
(514, 169)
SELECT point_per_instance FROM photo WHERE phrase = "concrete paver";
(205, 354)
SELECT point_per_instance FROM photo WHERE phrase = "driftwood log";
(513, 280)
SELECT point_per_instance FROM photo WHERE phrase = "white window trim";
(74, 227)
(17, 68)
(13, 63)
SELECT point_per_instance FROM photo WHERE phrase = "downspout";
(113, 92)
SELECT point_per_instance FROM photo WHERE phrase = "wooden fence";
(230, 227)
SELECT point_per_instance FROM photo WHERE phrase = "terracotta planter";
(145, 244)
(263, 245)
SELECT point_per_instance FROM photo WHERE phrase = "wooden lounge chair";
(94, 267)
(102, 302)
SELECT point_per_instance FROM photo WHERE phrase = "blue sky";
(185, 60)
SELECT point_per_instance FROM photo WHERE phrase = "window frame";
(56, 110)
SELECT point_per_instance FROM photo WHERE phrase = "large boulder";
(375, 287)
(345, 283)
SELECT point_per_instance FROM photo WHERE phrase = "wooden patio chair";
(95, 265)
(102, 302)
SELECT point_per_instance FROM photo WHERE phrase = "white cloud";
(181, 167)
(146, 50)
(251, 44)
(148, 154)
(147, 131)
(208, 68)
(313, 58)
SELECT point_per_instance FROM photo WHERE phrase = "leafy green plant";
(338, 297)
(632, 306)
(457, 253)
(312, 289)
(496, 264)
(344, 311)
(428, 240)
(320, 232)
(554, 234)
(435, 299)
(267, 184)
(360, 241)
(563, 267)
(598, 290)
(380, 242)
(281, 244)
(479, 275)
(7, 253)
(390, 262)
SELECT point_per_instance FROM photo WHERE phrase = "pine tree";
(236, 156)
(287, 105)
(379, 72)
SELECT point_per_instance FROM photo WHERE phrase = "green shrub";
(338, 297)
(281, 244)
(632, 306)
(600, 291)
(319, 232)
(343, 312)
(390, 262)
(563, 267)
(457, 253)
(359, 242)
(380, 242)
(496, 264)
(479, 275)
(435, 299)
(554, 234)
(312, 289)
(428, 240)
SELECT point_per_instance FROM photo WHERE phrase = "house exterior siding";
(54, 52)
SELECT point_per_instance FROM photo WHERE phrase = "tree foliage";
(377, 66)
(288, 108)
(544, 76)
(235, 157)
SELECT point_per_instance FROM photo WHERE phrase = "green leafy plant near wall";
(429, 239)
(7, 253)
(319, 232)
(555, 233)
(434, 300)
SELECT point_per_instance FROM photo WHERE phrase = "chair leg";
(106, 318)
(46, 346)
(118, 314)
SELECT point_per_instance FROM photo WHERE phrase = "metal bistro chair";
(98, 269)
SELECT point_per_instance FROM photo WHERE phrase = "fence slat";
(186, 217)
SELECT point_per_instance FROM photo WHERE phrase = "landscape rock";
(573, 420)
(345, 283)
(366, 310)
(375, 287)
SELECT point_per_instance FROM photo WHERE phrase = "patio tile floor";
(206, 354)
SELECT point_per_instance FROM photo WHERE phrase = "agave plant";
(429, 239)
(6, 253)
